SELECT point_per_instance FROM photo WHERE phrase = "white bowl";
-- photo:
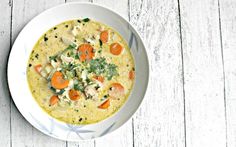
(19, 56)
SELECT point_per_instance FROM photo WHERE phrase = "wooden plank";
(23, 134)
(228, 28)
(123, 137)
(78, 1)
(86, 143)
(160, 120)
(5, 6)
(203, 73)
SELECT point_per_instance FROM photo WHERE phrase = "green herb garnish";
(100, 42)
(100, 66)
(79, 87)
(70, 47)
(86, 20)
(111, 71)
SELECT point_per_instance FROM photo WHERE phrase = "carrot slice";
(58, 81)
(104, 36)
(116, 48)
(116, 90)
(105, 104)
(74, 94)
(86, 52)
(131, 75)
(38, 68)
(53, 100)
(99, 78)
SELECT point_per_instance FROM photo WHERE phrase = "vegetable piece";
(131, 75)
(116, 48)
(104, 36)
(74, 94)
(105, 104)
(86, 52)
(38, 68)
(86, 20)
(70, 47)
(111, 71)
(58, 81)
(100, 66)
(54, 100)
(99, 78)
(116, 90)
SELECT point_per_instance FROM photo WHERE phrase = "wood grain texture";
(160, 120)
(23, 134)
(227, 11)
(203, 73)
(67, 1)
(123, 137)
(5, 26)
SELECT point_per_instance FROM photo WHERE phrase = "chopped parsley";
(79, 87)
(45, 38)
(100, 66)
(76, 110)
(37, 56)
(111, 71)
(70, 47)
(86, 20)
(100, 42)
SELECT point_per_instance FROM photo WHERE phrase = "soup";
(81, 71)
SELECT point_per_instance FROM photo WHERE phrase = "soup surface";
(81, 71)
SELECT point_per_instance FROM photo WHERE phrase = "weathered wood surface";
(227, 9)
(5, 100)
(160, 120)
(203, 73)
(191, 96)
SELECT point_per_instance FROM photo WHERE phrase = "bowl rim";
(82, 3)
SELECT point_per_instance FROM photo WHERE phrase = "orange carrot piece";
(38, 68)
(116, 48)
(86, 52)
(99, 78)
(131, 75)
(105, 104)
(53, 100)
(104, 36)
(74, 94)
(58, 81)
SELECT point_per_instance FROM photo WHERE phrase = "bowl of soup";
(78, 71)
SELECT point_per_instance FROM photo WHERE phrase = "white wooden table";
(191, 99)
